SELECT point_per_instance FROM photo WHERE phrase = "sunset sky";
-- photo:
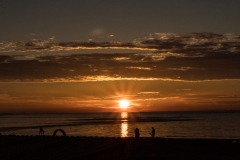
(73, 56)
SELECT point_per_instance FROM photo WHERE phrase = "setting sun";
(124, 103)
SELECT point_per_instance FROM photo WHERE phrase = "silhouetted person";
(137, 133)
(153, 132)
(41, 131)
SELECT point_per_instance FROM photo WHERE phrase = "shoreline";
(80, 147)
(141, 137)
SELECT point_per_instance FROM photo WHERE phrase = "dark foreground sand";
(48, 147)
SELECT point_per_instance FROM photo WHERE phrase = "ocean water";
(167, 124)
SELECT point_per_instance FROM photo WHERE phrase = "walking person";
(137, 133)
(41, 131)
(153, 132)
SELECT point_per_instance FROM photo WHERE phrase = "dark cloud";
(188, 57)
(186, 44)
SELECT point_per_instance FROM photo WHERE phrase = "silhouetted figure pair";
(137, 133)
(153, 132)
(41, 131)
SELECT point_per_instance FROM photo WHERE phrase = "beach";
(98, 148)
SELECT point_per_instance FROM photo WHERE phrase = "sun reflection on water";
(124, 129)
(124, 124)
(124, 116)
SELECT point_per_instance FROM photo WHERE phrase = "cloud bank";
(179, 57)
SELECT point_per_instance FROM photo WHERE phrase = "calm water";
(166, 124)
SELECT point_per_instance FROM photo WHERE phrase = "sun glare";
(124, 104)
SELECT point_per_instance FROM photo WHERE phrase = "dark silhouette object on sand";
(63, 132)
(153, 132)
(41, 131)
(137, 133)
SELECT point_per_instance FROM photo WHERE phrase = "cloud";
(102, 67)
(140, 68)
(179, 57)
(213, 100)
(194, 44)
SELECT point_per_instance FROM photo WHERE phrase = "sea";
(214, 125)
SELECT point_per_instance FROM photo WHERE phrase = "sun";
(124, 103)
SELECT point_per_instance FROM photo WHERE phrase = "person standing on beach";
(137, 133)
(41, 131)
(153, 132)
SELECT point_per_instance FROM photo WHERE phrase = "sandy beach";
(65, 147)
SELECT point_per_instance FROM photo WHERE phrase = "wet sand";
(104, 148)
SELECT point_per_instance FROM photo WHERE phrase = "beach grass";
(104, 148)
